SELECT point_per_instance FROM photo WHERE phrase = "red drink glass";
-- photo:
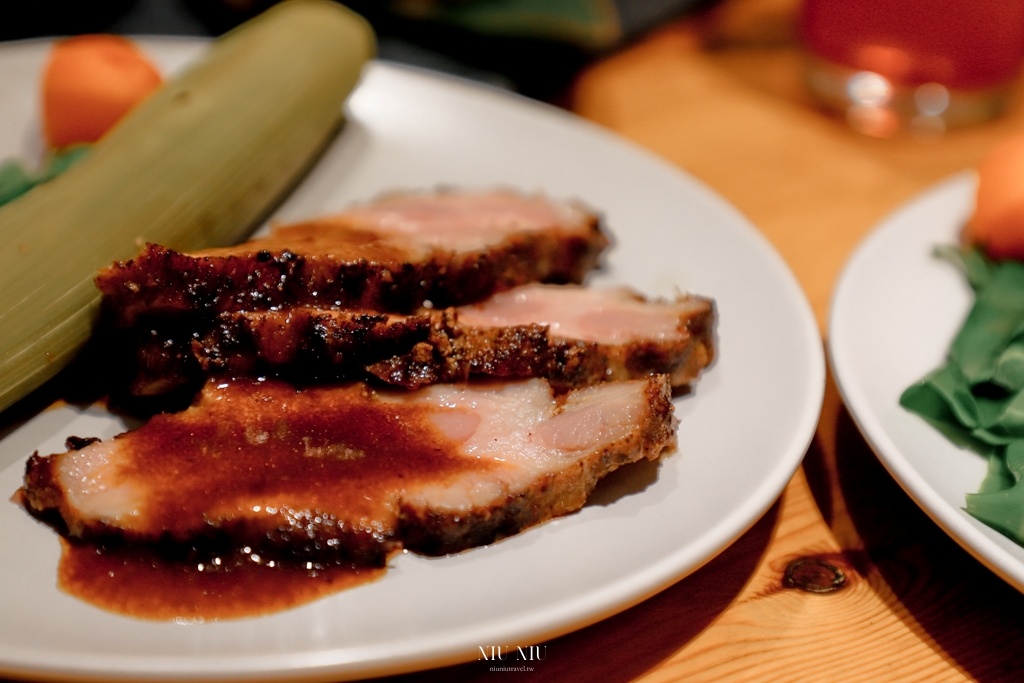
(929, 64)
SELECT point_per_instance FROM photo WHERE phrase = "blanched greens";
(977, 398)
(16, 180)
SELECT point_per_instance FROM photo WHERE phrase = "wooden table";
(721, 96)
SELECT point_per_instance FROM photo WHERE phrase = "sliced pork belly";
(308, 344)
(574, 336)
(348, 472)
(448, 248)
(567, 334)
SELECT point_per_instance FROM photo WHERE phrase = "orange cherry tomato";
(997, 225)
(89, 83)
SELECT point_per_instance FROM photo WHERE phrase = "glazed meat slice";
(574, 336)
(447, 248)
(570, 335)
(348, 472)
(308, 344)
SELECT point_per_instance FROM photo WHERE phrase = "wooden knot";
(813, 575)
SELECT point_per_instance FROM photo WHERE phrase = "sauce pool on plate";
(147, 584)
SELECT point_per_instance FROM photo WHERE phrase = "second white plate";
(894, 314)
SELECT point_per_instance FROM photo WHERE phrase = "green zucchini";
(198, 164)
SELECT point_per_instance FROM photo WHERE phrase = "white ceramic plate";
(741, 436)
(894, 315)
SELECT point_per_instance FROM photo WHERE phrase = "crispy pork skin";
(570, 335)
(307, 344)
(350, 473)
(448, 248)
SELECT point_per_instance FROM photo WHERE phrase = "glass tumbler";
(923, 65)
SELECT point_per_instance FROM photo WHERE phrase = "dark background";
(543, 69)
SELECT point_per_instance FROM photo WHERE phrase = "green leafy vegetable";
(15, 180)
(977, 398)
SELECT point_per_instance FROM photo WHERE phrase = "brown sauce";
(259, 498)
(139, 582)
(264, 457)
(334, 240)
